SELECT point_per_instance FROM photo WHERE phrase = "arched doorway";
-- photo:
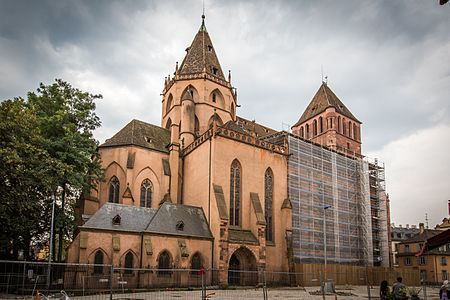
(242, 268)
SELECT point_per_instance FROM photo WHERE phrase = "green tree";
(47, 149)
(67, 120)
(25, 178)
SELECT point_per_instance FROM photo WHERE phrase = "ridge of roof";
(323, 99)
(139, 133)
(201, 56)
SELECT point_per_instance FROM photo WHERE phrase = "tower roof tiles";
(323, 99)
(201, 56)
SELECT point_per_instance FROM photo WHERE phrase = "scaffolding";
(355, 223)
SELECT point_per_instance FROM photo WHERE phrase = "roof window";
(116, 220)
(215, 71)
(209, 48)
(180, 226)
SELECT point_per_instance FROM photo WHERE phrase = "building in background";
(433, 265)
(209, 189)
(400, 234)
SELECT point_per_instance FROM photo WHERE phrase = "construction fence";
(26, 280)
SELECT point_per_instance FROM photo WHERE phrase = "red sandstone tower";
(327, 121)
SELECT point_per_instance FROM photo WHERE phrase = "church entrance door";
(242, 268)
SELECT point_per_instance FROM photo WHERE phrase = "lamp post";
(325, 241)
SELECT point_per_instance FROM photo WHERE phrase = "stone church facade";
(206, 188)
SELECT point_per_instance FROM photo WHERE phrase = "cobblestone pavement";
(348, 292)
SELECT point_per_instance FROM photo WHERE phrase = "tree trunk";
(61, 229)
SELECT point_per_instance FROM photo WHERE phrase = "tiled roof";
(132, 218)
(169, 215)
(201, 56)
(163, 220)
(422, 237)
(247, 127)
(142, 134)
(241, 236)
(323, 99)
(252, 126)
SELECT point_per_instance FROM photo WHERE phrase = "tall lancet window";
(146, 193)
(268, 201)
(235, 193)
(114, 188)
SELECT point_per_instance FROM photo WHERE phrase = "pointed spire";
(229, 76)
(203, 27)
(176, 69)
(201, 56)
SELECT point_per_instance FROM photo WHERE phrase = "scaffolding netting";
(356, 221)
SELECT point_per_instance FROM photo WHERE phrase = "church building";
(209, 189)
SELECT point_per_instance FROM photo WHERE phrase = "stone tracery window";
(114, 188)
(268, 203)
(235, 193)
(146, 193)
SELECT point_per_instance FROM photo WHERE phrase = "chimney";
(407, 225)
(400, 225)
(414, 226)
(421, 227)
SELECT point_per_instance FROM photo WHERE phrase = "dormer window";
(209, 48)
(180, 226)
(215, 71)
(116, 220)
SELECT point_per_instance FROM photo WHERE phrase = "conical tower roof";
(201, 56)
(323, 99)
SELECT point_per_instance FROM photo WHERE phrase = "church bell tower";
(198, 93)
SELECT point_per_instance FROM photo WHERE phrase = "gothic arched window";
(268, 203)
(355, 132)
(315, 127)
(98, 261)
(235, 193)
(146, 193)
(128, 263)
(339, 125)
(114, 188)
(302, 134)
(349, 129)
(169, 103)
(307, 131)
(164, 264)
(320, 124)
(196, 263)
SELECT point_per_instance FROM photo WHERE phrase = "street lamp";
(325, 240)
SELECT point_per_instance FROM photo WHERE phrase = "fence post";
(368, 284)
(111, 280)
(265, 285)
(23, 278)
(202, 271)
(424, 287)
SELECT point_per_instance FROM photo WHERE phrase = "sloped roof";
(132, 218)
(252, 126)
(201, 56)
(170, 214)
(142, 134)
(422, 237)
(163, 220)
(245, 126)
(323, 99)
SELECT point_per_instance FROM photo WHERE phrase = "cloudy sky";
(388, 61)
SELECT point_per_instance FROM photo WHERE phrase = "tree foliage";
(47, 149)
